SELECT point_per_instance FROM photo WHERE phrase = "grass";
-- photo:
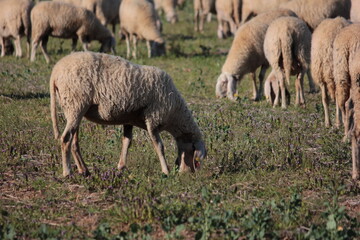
(270, 173)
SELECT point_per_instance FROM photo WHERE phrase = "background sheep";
(346, 44)
(203, 9)
(138, 19)
(252, 8)
(313, 12)
(355, 11)
(15, 23)
(322, 59)
(354, 69)
(287, 47)
(168, 6)
(110, 90)
(107, 11)
(247, 54)
(228, 14)
(66, 21)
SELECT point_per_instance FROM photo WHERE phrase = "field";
(270, 173)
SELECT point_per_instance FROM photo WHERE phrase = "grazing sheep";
(203, 8)
(107, 89)
(138, 19)
(15, 23)
(355, 11)
(346, 44)
(228, 14)
(247, 54)
(107, 11)
(314, 12)
(287, 47)
(354, 69)
(322, 59)
(66, 21)
(168, 6)
(252, 8)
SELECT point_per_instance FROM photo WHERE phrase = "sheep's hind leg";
(325, 102)
(159, 147)
(2, 42)
(134, 39)
(75, 150)
(18, 47)
(35, 44)
(300, 99)
(126, 142)
(148, 45)
(355, 145)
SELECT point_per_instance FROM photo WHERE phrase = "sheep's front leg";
(128, 48)
(311, 82)
(300, 99)
(126, 142)
(75, 150)
(134, 39)
(74, 43)
(196, 20)
(159, 147)
(44, 42)
(148, 45)
(325, 102)
(35, 44)
(261, 81)
(255, 88)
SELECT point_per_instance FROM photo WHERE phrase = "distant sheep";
(314, 12)
(322, 59)
(138, 20)
(354, 69)
(287, 47)
(202, 9)
(169, 7)
(355, 11)
(247, 54)
(252, 8)
(228, 14)
(110, 90)
(15, 23)
(66, 21)
(346, 44)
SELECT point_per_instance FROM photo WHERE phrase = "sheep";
(313, 12)
(138, 19)
(168, 6)
(203, 8)
(246, 55)
(251, 8)
(107, 89)
(354, 70)
(346, 44)
(322, 59)
(287, 47)
(228, 13)
(15, 23)
(107, 11)
(66, 21)
(355, 11)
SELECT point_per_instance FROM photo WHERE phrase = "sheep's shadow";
(25, 96)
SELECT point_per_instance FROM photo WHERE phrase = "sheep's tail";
(286, 51)
(53, 108)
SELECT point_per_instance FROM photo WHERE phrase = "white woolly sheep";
(287, 47)
(107, 11)
(252, 8)
(15, 23)
(354, 69)
(138, 19)
(228, 14)
(203, 9)
(66, 21)
(355, 11)
(108, 89)
(247, 54)
(322, 59)
(314, 12)
(346, 44)
(168, 6)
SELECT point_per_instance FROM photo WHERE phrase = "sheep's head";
(226, 86)
(190, 156)
(158, 48)
(108, 45)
